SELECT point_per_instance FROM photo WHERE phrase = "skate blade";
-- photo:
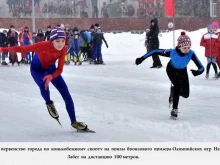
(59, 122)
(85, 131)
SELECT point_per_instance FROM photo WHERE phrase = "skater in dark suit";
(177, 68)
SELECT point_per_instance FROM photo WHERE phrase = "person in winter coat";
(21, 31)
(13, 41)
(104, 10)
(86, 36)
(97, 46)
(15, 34)
(93, 33)
(95, 10)
(210, 42)
(43, 70)
(153, 42)
(177, 68)
(3, 43)
(67, 31)
(47, 34)
(40, 36)
(75, 44)
(83, 46)
(9, 31)
(26, 38)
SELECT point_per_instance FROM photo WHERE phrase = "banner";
(169, 7)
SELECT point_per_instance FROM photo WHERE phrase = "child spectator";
(97, 46)
(27, 40)
(75, 42)
(210, 42)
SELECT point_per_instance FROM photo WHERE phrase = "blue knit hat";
(57, 32)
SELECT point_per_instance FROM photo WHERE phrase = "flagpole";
(33, 16)
(174, 27)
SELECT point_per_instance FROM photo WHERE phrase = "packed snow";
(122, 102)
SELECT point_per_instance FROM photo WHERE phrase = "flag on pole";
(169, 7)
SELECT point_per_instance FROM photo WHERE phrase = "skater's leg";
(61, 86)
(176, 93)
(184, 84)
(180, 81)
(181, 87)
(171, 72)
(38, 73)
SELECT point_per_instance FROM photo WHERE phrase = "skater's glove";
(139, 60)
(195, 72)
(47, 80)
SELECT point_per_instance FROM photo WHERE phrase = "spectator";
(153, 42)
(3, 43)
(47, 33)
(95, 11)
(104, 10)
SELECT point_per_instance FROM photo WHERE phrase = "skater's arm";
(60, 64)
(198, 64)
(27, 48)
(162, 52)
